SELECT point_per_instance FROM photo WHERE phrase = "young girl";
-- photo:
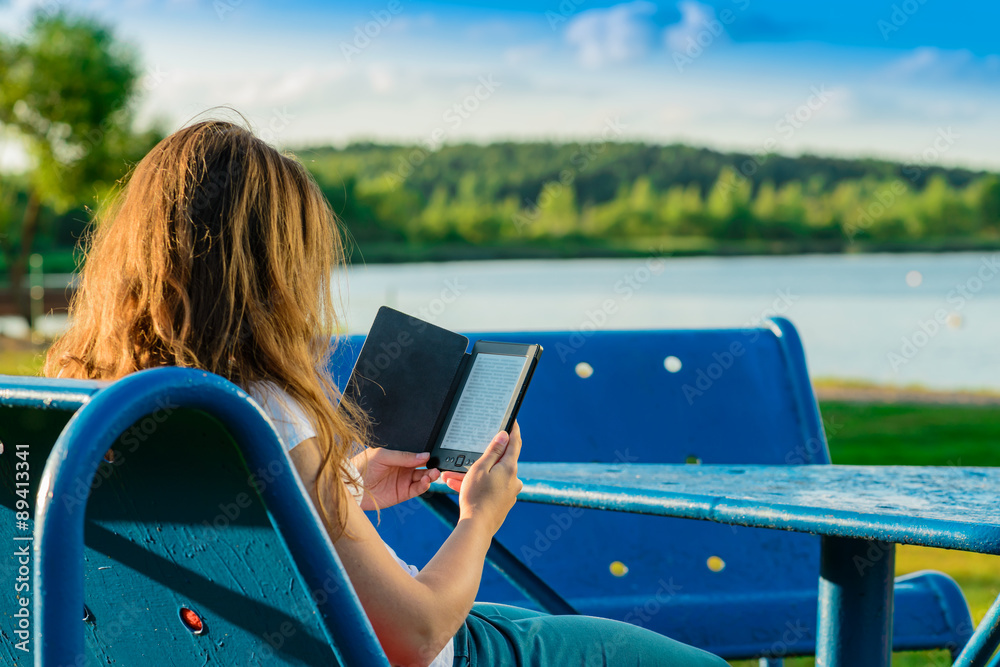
(218, 255)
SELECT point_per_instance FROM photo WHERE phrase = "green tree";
(728, 205)
(65, 94)
(944, 212)
(985, 195)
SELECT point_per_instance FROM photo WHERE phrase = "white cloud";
(381, 78)
(495, 28)
(298, 83)
(930, 63)
(675, 113)
(524, 53)
(612, 35)
(696, 18)
(413, 24)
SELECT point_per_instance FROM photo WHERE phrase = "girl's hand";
(488, 491)
(392, 477)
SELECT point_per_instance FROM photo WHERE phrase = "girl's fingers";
(432, 473)
(420, 486)
(393, 457)
(494, 451)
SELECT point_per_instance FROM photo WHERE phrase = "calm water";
(930, 319)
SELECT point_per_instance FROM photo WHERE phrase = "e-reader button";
(460, 460)
(449, 459)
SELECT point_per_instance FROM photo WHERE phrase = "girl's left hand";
(391, 476)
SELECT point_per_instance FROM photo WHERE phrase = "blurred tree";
(986, 193)
(534, 193)
(66, 93)
(728, 204)
(944, 211)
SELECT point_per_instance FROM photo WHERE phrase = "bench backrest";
(667, 396)
(197, 546)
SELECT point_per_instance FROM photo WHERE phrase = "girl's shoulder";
(293, 426)
(286, 414)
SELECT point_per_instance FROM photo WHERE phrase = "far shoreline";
(837, 390)
(64, 260)
(580, 248)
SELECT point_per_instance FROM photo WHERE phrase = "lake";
(927, 319)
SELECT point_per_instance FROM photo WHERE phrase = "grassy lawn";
(20, 362)
(868, 434)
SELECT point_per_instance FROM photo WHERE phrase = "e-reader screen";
(484, 402)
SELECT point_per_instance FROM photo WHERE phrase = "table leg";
(855, 603)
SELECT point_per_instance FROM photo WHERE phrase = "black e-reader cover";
(424, 393)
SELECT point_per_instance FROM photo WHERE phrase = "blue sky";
(877, 78)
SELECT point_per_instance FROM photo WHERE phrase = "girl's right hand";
(488, 491)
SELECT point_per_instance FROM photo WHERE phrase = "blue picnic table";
(861, 512)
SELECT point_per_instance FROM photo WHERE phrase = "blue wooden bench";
(198, 544)
(736, 396)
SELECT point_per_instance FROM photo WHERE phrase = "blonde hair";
(218, 254)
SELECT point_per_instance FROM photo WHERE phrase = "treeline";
(504, 199)
(519, 193)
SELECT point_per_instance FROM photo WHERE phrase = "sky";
(911, 80)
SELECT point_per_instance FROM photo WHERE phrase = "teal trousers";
(499, 635)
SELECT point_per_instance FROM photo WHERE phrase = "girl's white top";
(293, 427)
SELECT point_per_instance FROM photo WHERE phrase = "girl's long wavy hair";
(218, 254)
